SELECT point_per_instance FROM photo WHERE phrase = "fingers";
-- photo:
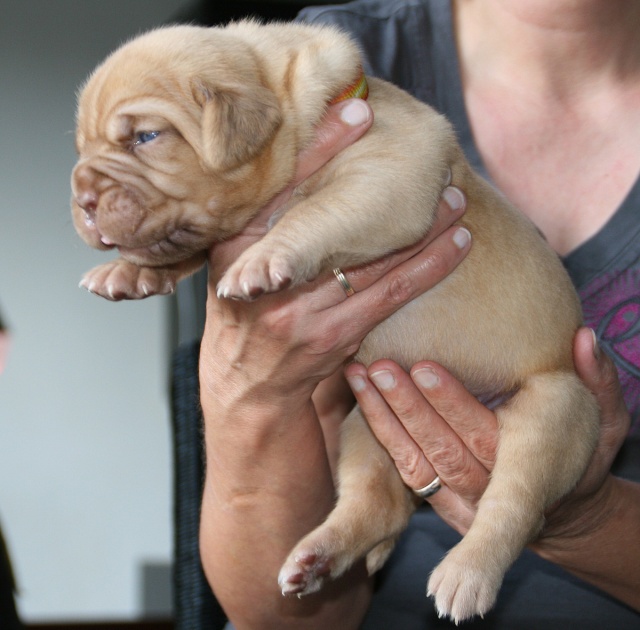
(359, 314)
(476, 425)
(451, 208)
(426, 420)
(413, 466)
(343, 124)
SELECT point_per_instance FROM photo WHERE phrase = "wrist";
(603, 548)
(582, 523)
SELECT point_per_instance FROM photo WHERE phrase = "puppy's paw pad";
(461, 590)
(304, 574)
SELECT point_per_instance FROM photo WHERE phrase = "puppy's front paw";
(122, 280)
(462, 587)
(259, 270)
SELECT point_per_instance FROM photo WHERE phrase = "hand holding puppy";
(431, 425)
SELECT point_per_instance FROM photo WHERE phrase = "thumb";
(597, 371)
(343, 124)
(599, 374)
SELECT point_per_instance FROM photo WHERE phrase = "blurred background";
(85, 457)
(88, 509)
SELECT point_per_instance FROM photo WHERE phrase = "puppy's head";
(172, 137)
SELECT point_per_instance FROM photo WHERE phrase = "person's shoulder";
(395, 37)
(369, 11)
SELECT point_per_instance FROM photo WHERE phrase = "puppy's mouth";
(140, 244)
(178, 245)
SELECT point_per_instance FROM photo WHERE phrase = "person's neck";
(554, 46)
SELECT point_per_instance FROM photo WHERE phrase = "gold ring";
(344, 283)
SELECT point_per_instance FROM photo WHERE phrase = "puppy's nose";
(88, 201)
(85, 193)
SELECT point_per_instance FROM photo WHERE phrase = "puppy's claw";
(259, 270)
(462, 588)
(122, 280)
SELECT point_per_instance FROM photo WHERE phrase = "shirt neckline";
(591, 257)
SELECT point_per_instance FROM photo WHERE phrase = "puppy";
(184, 133)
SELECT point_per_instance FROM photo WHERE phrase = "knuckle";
(330, 339)
(438, 263)
(407, 407)
(400, 288)
(279, 323)
(409, 464)
(447, 458)
(483, 445)
(323, 343)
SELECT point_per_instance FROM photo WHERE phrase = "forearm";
(267, 484)
(607, 555)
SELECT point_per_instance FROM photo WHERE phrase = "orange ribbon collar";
(359, 89)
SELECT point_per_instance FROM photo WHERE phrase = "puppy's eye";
(145, 136)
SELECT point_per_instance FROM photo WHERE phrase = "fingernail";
(596, 345)
(426, 377)
(383, 379)
(357, 383)
(454, 197)
(462, 237)
(355, 113)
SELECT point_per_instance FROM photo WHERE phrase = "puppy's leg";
(548, 433)
(350, 221)
(373, 507)
(122, 280)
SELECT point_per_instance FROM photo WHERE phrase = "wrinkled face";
(166, 165)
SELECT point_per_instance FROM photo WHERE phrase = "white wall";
(85, 457)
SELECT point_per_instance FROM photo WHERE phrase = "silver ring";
(429, 490)
(344, 283)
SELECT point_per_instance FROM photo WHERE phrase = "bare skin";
(550, 84)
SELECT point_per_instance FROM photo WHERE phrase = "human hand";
(431, 425)
(588, 506)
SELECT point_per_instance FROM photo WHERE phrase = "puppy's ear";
(237, 122)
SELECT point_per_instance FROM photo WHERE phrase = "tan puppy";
(184, 133)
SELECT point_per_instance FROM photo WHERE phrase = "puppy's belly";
(486, 377)
(491, 356)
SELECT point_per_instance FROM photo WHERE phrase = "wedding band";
(429, 490)
(344, 283)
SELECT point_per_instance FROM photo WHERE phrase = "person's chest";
(568, 170)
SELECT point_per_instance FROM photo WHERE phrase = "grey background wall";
(85, 458)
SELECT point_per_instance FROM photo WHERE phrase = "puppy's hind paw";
(303, 575)
(462, 590)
